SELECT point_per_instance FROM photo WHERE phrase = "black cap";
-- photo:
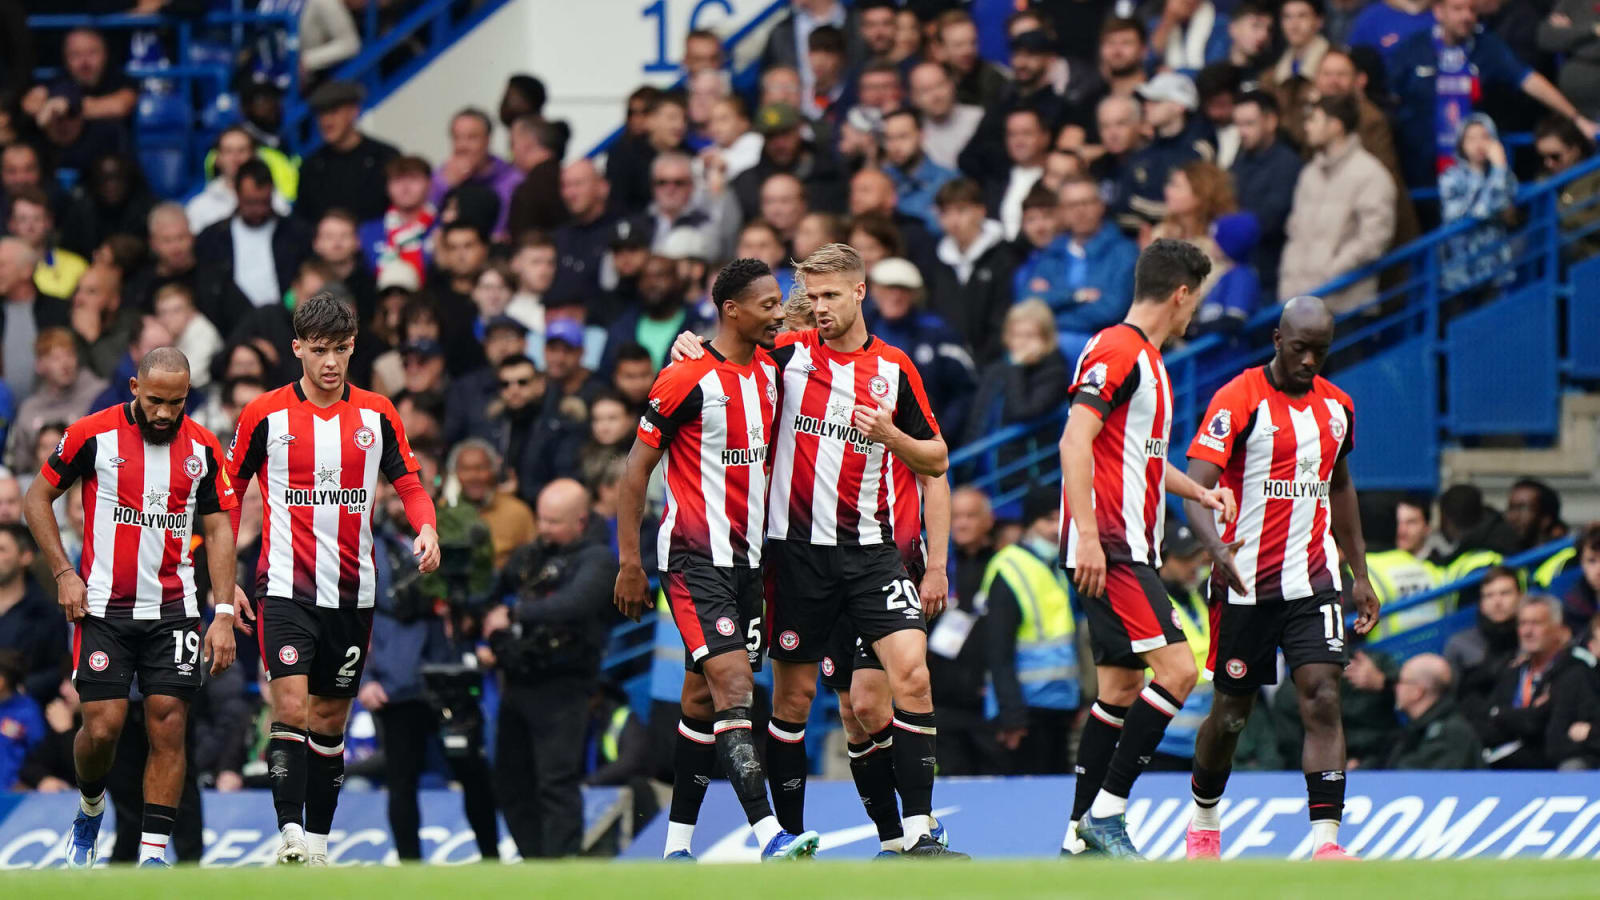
(1040, 502)
(505, 321)
(1180, 540)
(334, 94)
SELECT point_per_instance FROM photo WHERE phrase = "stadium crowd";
(999, 177)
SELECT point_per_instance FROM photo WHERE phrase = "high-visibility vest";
(612, 738)
(1185, 726)
(1395, 575)
(1555, 565)
(1047, 657)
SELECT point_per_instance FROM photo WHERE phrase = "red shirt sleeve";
(1107, 374)
(674, 400)
(1225, 417)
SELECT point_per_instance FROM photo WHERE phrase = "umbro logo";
(702, 780)
(1269, 429)
(117, 461)
(1332, 776)
(809, 367)
(278, 772)
(794, 784)
(285, 438)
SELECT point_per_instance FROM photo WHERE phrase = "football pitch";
(1543, 880)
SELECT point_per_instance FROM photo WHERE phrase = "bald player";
(1278, 435)
(150, 475)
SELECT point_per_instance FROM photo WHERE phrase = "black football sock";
(1206, 786)
(872, 768)
(1100, 733)
(155, 831)
(736, 748)
(1325, 804)
(915, 760)
(786, 772)
(693, 758)
(1146, 722)
(324, 778)
(286, 766)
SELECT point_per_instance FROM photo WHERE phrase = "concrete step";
(1572, 466)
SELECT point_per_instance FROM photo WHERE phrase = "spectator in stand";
(104, 325)
(1343, 213)
(897, 317)
(537, 147)
(946, 124)
(1188, 36)
(1384, 24)
(1219, 86)
(1562, 145)
(825, 52)
(218, 200)
(27, 314)
(970, 284)
(11, 488)
(967, 743)
(1437, 77)
(1233, 298)
(75, 142)
(1516, 733)
(404, 232)
(632, 374)
(1533, 508)
(1481, 653)
(610, 436)
(31, 624)
(788, 43)
(815, 230)
(1264, 175)
(1087, 275)
(1477, 535)
(702, 52)
(1574, 737)
(787, 152)
(28, 218)
(783, 204)
(192, 333)
(660, 316)
(878, 87)
(1479, 186)
(563, 362)
(470, 162)
(146, 335)
(916, 177)
(537, 439)
(1197, 194)
(21, 165)
(873, 195)
(1301, 24)
(472, 394)
(257, 246)
(876, 28)
(1058, 90)
(112, 201)
(348, 170)
(1040, 227)
(628, 164)
(62, 393)
(337, 243)
(1028, 382)
(524, 95)
(476, 466)
(1170, 102)
(734, 146)
(21, 720)
(672, 205)
(978, 81)
(1027, 143)
(1123, 51)
(1120, 121)
(1435, 734)
(1249, 34)
(328, 35)
(1572, 29)
(1581, 595)
(1338, 75)
(107, 92)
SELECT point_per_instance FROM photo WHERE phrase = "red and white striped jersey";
(905, 510)
(140, 501)
(831, 485)
(714, 418)
(1277, 454)
(318, 468)
(1121, 379)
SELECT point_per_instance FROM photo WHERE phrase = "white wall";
(590, 54)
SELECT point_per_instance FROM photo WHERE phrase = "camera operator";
(547, 642)
(420, 623)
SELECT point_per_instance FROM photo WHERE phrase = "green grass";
(823, 881)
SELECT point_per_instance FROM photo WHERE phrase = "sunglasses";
(1552, 157)
(515, 382)
(673, 182)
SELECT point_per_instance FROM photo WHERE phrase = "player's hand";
(687, 346)
(220, 647)
(934, 591)
(1366, 605)
(1222, 561)
(1089, 575)
(632, 594)
(372, 696)
(1011, 738)
(1220, 499)
(245, 614)
(876, 422)
(426, 549)
(72, 595)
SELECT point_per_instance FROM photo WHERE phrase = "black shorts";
(815, 588)
(1133, 616)
(846, 651)
(326, 644)
(1245, 639)
(718, 609)
(165, 653)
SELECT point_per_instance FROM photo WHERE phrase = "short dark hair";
(633, 351)
(1494, 573)
(1344, 109)
(1461, 505)
(254, 170)
(1027, 110)
(1317, 7)
(1040, 197)
(516, 359)
(826, 39)
(883, 230)
(462, 225)
(324, 316)
(958, 190)
(879, 67)
(551, 136)
(910, 111)
(1217, 79)
(1167, 265)
(1420, 502)
(667, 98)
(167, 359)
(401, 166)
(1589, 538)
(343, 215)
(13, 668)
(19, 533)
(230, 389)
(32, 195)
(1251, 8)
(864, 5)
(1263, 100)
(1114, 25)
(1566, 131)
(473, 112)
(1549, 502)
(735, 278)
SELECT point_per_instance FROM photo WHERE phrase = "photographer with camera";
(415, 685)
(547, 642)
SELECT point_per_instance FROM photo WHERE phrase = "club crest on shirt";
(98, 660)
(288, 654)
(827, 666)
(1236, 668)
(364, 438)
(725, 627)
(1093, 380)
(193, 466)
(788, 640)
(1336, 428)
(772, 392)
(879, 386)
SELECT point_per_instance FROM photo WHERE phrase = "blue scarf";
(1456, 88)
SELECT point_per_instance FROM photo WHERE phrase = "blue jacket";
(21, 726)
(1217, 42)
(1107, 267)
(940, 357)
(1264, 181)
(915, 191)
(1413, 70)
(1145, 173)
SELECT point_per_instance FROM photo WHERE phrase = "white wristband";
(223, 609)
